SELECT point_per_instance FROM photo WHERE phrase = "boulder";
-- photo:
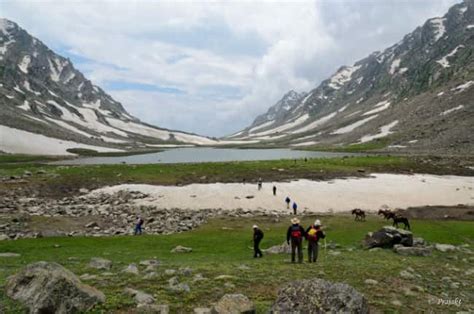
(8, 254)
(50, 288)
(234, 304)
(131, 269)
(100, 263)
(445, 247)
(283, 248)
(412, 250)
(387, 237)
(181, 249)
(153, 308)
(139, 297)
(319, 296)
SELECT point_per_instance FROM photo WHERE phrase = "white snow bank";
(371, 193)
(394, 66)
(23, 65)
(461, 88)
(381, 106)
(261, 126)
(315, 124)
(351, 127)
(384, 131)
(284, 127)
(22, 142)
(309, 143)
(451, 110)
(439, 29)
(343, 76)
(444, 60)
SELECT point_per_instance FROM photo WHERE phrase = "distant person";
(274, 190)
(243, 180)
(287, 201)
(305, 159)
(313, 235)
(138, 226)
(295, 207)
(259, 183)
(295, 234)
(257, 237)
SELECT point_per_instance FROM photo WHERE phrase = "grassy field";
(218, 251)
(60, 180)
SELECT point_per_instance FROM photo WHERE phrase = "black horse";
(359, 214)
(399, 220)
(385, 213)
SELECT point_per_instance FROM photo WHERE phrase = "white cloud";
(232, 60)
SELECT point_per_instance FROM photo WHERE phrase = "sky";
(210, 67)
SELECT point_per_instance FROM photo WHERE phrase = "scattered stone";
(243, 267)
(387, 237)
(234, 304)
(92, 225)
(419, 241)
(335, 253)
(407, 275)
(139, 297)
(150, 262)
(170, 272)
(229, 285)
(153, 308)
(371, 282)
(150, 275)
(249, 196)
(131, 269)
(319, 296)
(83, 191)
(7, 254)
(412, 250)
(224, 277)
(186, 271)
(181, 249)
(176, 286)
(283, 248)
(100, 263)
(50, 288)
(445, 247)
(396, 303)
(202, 310)
(4, 237)
(88, 277)
(198, 277)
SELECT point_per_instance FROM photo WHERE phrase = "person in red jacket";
(295, 234)
(313, 234)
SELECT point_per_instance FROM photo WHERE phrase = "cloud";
(211, 67)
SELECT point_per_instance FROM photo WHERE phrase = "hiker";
(259, 184)
(295, 207)
(287, 200)
(295, 234)
(257, 237)
(313, 234)
(274, 190)
(138, 226)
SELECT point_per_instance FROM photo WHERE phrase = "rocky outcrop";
(387, 237)
(283, 248)
(319, 296)
(50, 288)
(234, 304)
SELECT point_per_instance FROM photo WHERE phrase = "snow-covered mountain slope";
(41, 93)
(425, 82)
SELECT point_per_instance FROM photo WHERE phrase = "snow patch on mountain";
(353, 126)
(68, 126)
(451, 110)
(25, 106)
(315, 124)
(286, 126)
(384, 131)
(462, 87)
(444, 60)
(23, 65)
(439, 28)
(309, 143)
(342, 76)
(261, 126)
(381, 106)
(22, 142)
(394, 66)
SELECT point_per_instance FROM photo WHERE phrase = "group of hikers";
(295, 236)
(287, 199)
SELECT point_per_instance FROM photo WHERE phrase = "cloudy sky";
(210, 67)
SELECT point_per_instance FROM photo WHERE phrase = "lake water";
(194, 155)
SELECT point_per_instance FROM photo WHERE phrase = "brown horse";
(385, 213)
(359, 214)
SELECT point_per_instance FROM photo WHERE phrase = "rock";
(83, 191)
(181, 249)
(396, 303)
(131, 269)
(202, 310)
(176, 286)
(335, 253)
(419, 241)
(186, 271)
(153, 308)
(412, 250)
(50, 288)
(198, 277)
(170, 272)
(100, 263)
(150, 275)
(88, 277)
(387, 237)
(150, 262)
(234, 304)
(91, 225)
(445, 247)
(139, 297)
(371, 282)
(7, 254)
(407, 275)
(319, 296)
(283, 248)
(4, 237)
(224, 277)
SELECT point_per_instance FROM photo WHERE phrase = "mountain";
(48, 106)
(417, 95)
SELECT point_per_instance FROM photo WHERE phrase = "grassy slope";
(217, 252)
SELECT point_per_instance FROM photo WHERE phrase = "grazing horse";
(385, 213)
(400, 220)
(359, 214)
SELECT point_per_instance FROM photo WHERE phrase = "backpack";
(140, 222)
(313, 234)
(296, 232)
